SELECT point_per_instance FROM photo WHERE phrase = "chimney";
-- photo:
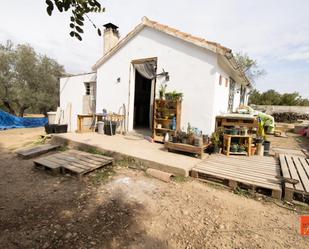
(111, 37)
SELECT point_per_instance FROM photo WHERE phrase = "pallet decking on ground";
(72, 161)
(187, 148)
(254, 173)
(295, 168)
(37, 150)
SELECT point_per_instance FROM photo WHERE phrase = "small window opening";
(87, 86)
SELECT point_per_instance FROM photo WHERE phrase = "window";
(87, 86)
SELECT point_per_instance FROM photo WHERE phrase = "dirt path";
(130, 210)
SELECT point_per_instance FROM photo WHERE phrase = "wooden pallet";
(295, 171)
(259, 174)
(73, 161)
(37, 150)
(171, 147)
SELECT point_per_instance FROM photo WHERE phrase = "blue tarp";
(9, 121)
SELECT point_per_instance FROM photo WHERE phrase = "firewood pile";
(289, 117)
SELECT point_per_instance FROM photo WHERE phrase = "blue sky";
(275, 33)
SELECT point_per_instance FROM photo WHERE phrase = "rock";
(57, 226)
(68, 235)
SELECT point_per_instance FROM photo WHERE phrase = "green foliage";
(102, 175)
(79, 9)
(28, 81)
(249, 66)
(271, 97)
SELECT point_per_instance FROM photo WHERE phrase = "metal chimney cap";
(110, 25)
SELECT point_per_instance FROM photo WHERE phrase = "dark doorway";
(142, 101)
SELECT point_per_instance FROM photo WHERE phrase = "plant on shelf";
(234, 147)
(174, 96)
(190, 134)
(169, 96)
(242, 148)
(181, 137)
(216, 139)
(162, 90)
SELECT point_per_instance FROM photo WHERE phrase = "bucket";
(63, 128)
(266, 148)
(260, 149)
(110, 128)
(198, 141)
(51, 117)
(101, 127)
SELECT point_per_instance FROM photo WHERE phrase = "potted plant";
(216, 140)
(169, 96)
(242, 148)
(234, 148)
(182, 137)
(190, 134)
(162, 90)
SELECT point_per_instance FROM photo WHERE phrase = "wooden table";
(94, 120)
(187, 148)
(227, 139)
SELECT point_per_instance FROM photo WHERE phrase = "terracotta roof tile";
(213, 46)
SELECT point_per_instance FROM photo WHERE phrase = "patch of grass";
(102, 176)
(94, 151)
(180, 179)
(62, 148)
(41, 140)
(242, 192)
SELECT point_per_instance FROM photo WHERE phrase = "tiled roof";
(212, 46)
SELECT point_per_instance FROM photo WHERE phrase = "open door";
(144, 93)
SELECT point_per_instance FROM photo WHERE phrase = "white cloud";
(270, 31)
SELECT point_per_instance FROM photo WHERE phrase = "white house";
(205, 72)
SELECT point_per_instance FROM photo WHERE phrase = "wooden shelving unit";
(164, 111)
(227, 141)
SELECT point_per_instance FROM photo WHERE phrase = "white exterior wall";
(236, 97)
(192, 70)
(221, 98)
(72, 90)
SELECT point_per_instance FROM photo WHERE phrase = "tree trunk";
(22, 110)
(9, 107)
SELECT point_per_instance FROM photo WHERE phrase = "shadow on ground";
(43, 211)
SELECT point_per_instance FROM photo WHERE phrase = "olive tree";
(28, 81)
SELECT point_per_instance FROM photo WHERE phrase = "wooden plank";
(285, 171)
(37, 150)
(73, 169)
(306, 165)
(303, 175)
(47, 163)
(75, 161)
(245, 160)
(246, 167)
(63, 163)
(89, 157)
(294, 173)
(250, 164)
(81, 163)
(244, 164)
(238, 176)
(254, 158)
(78, 152)
(241, 179)
(273, 174)
(256, 178)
